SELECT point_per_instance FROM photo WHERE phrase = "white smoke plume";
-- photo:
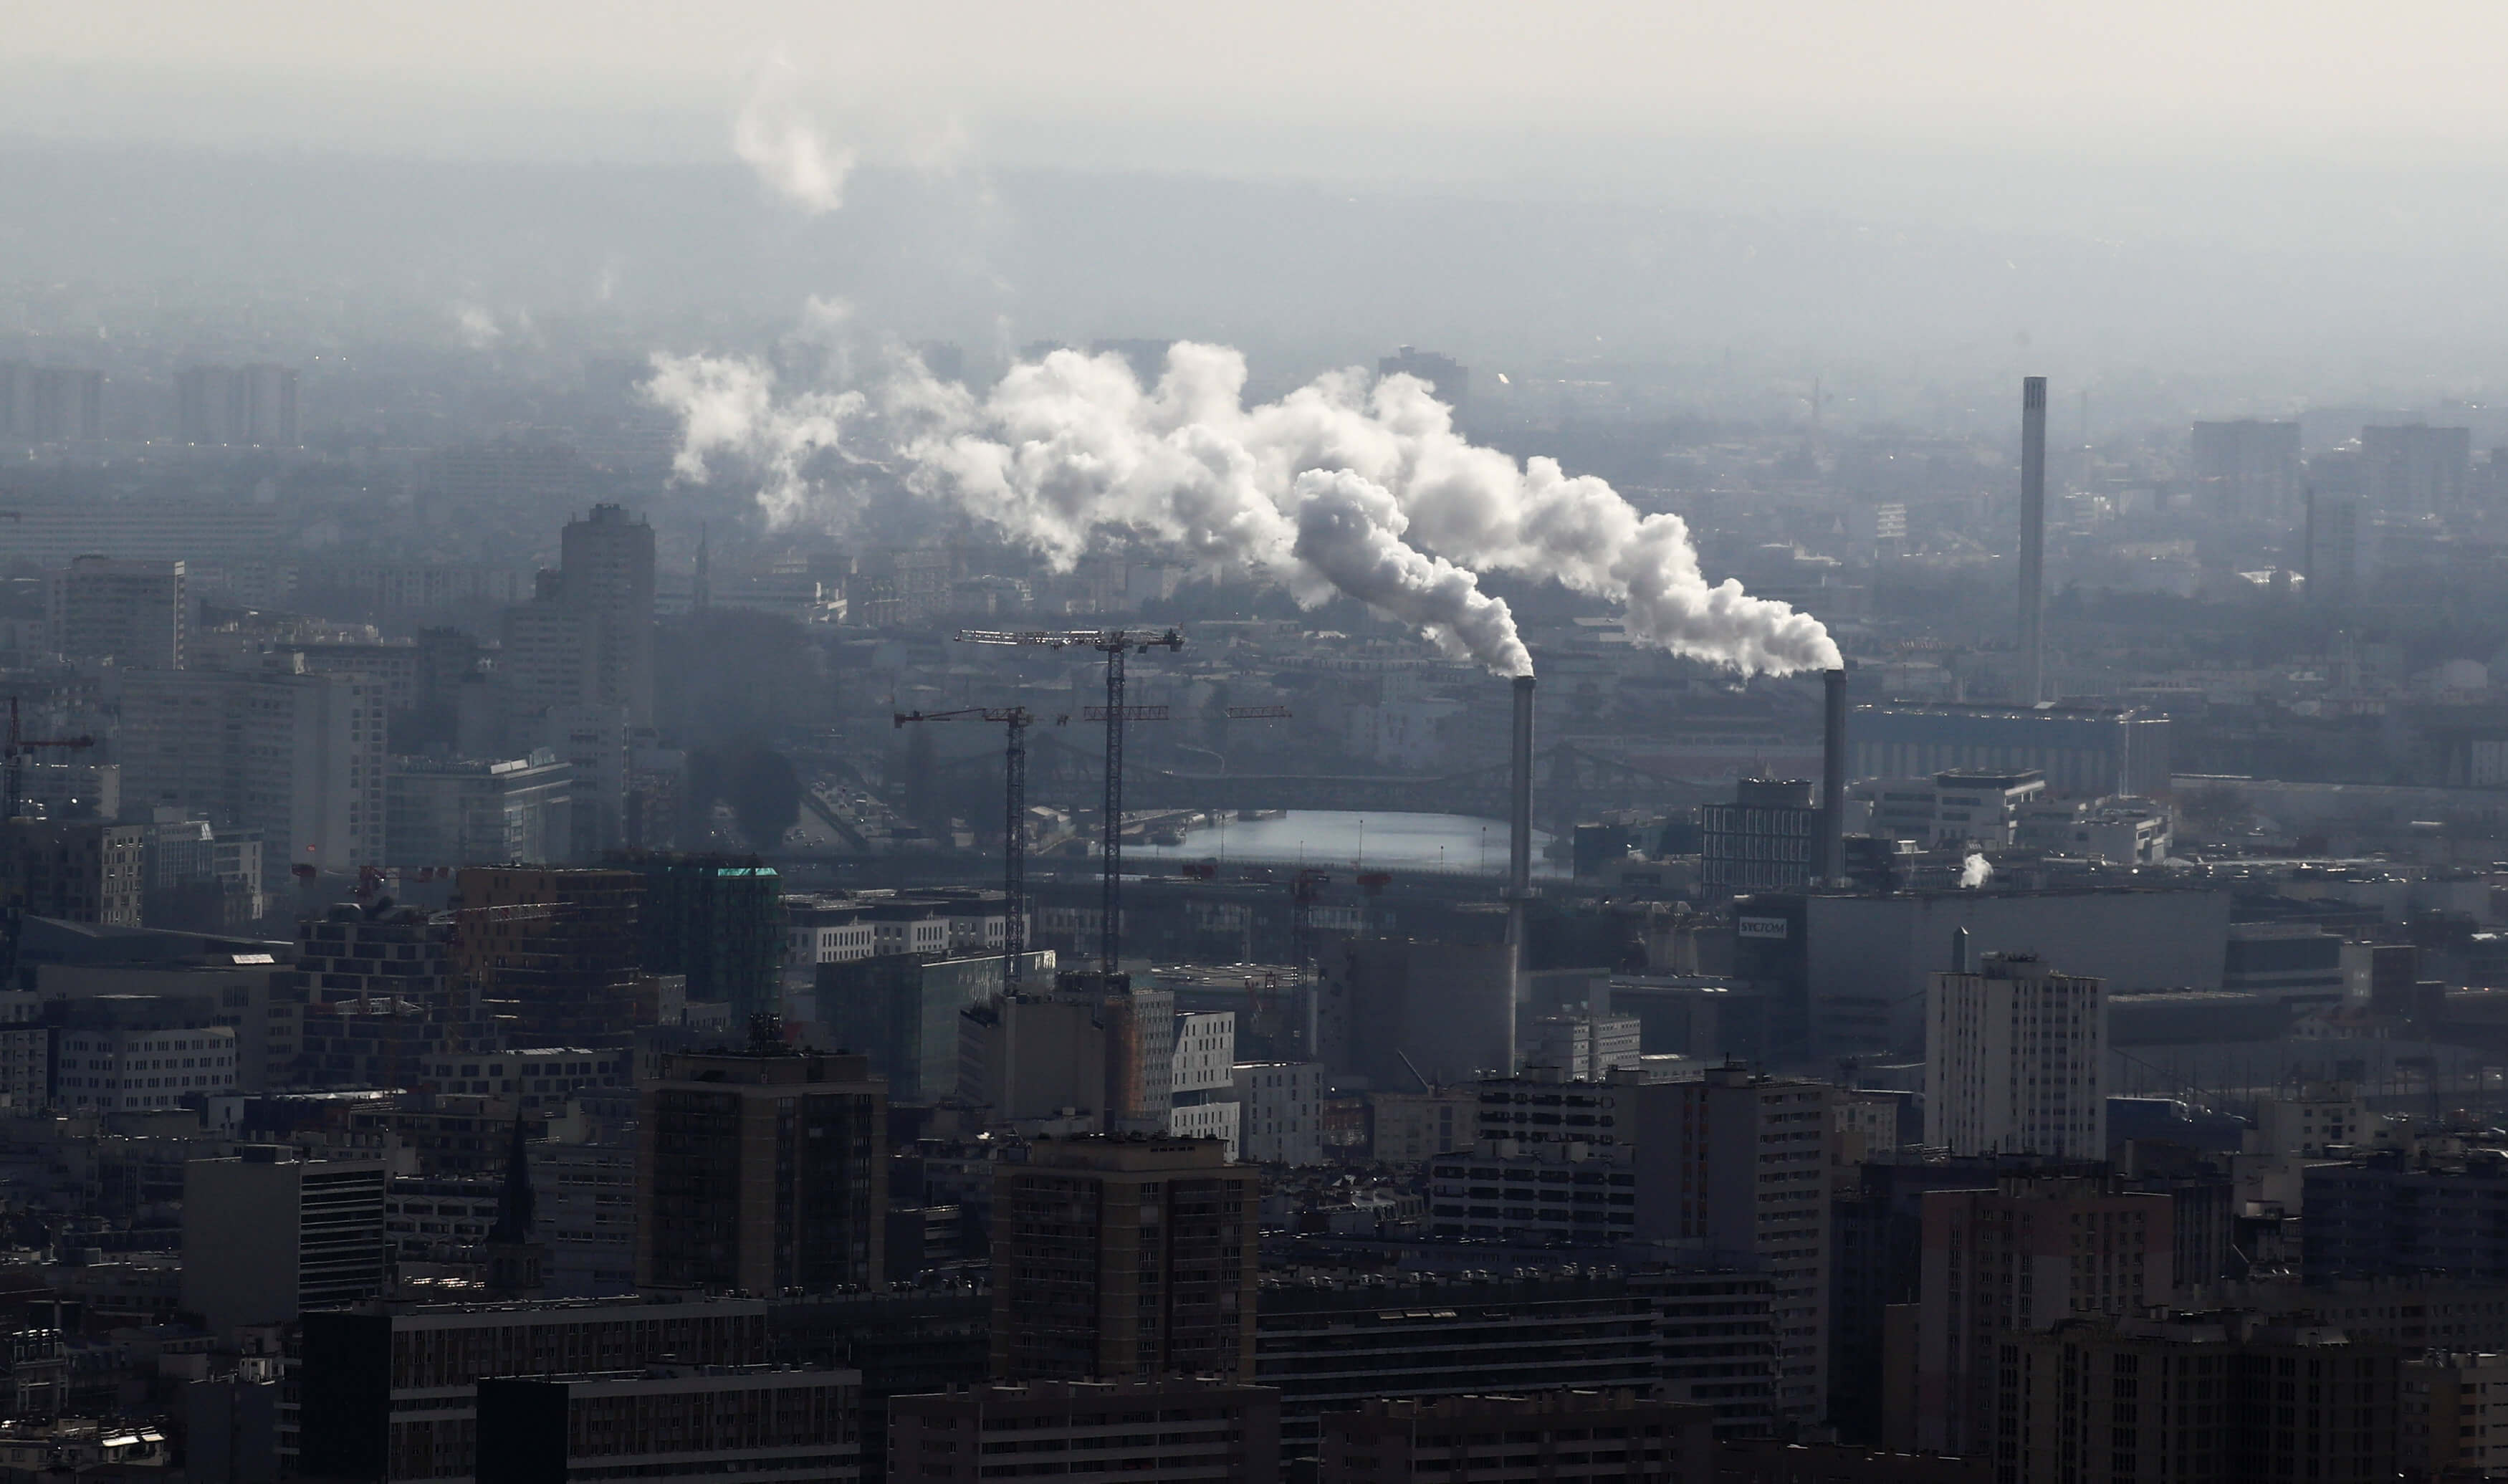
(776, 138)
(1351, 531)
(1072, 451)
(1974, 871)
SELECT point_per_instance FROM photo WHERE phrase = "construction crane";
(1015, 721)
(18, 747)
(1115, 645)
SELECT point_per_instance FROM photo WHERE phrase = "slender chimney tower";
(2033, 539)
(1519, 806)
(1831, 864)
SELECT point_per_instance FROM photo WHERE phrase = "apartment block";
(1122, 1257)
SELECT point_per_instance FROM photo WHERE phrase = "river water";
(1455, 844)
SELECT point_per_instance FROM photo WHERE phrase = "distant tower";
(515, 1262)
(2033, 539)
(701, 591)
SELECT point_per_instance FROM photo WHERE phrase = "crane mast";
(1015, 722)
(1115, 645)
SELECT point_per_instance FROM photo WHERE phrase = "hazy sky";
(1268, 86)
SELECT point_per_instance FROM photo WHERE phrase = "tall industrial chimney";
(2033, 539)
(1519, 796)
(1832, 778)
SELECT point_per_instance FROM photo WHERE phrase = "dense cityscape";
(646, 884)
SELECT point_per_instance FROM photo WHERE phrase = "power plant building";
(2088, 751)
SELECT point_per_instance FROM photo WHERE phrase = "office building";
(75, 870)
(2023, 1256)
(1865, 964)
(587, 1212)
(390, 1390)
(1094, 1047)
(2331, 549)
(1764, 840)
(902, 1010)
(1582, 1045)
(237, 406)
(672, 1421)
(130, 613)
(1515, 1438)
(1124, 1257)
(268, 1235)
(1958, 806)
(65, 404)
(2194, 1396)
(1395, 1010)
(761, 1171)
(292, 758)
(1534, 1194)
(2117, 832)
(447, 812)
(557, 948)
(1715, 1344)
(1328, 1346)
(1407, 1128)
(2452, 1415)
(2080, 750)
(128, 1053)
(716, 920)
(1279, 1112)
(2388, 1215)
(1736, 1166)
(2247, 469)
(2016, 1061)
(2296, 964)
(1202, 1079)
(586, 636)
(195, 881)
(2415, 470)
(1205, 1431)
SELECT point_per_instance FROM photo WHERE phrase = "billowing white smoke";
(1362, 489)
(776, 138)
(1974, 871)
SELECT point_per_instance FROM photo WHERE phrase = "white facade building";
(2016, 1061)
(1201, 1078)
(293, 759)
(119, 1070)
(1279, 1112)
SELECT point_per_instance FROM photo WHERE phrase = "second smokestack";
(2033, 539)
(1832, 778)
(1519, 801)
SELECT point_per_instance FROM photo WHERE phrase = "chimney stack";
(2033, 539)
(1519, 807)
(1832, 778)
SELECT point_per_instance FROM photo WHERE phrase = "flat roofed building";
(1137, 1430)
(666, 1422)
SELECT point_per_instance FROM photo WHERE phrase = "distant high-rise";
(2033, 539)
(2016, 1061)
(762, 1170)
(61, 404)
(2248, 470)
(1739, 1163)
(586, 636)
(1117, 1258)
(1446, 377)
(2331, 559)
(135, 613)
(2022, 1257)
(293, 759)
(2415, 469)
(237, 406)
